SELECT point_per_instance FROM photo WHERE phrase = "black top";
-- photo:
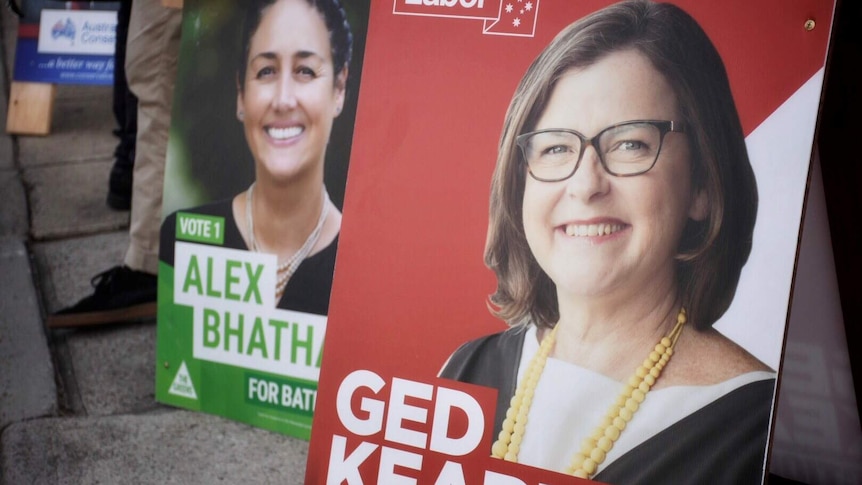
(306, 291)
(722, 443)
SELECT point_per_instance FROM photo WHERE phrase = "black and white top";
(680, 434)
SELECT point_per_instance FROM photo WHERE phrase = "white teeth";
(284, 133)
(581, 230)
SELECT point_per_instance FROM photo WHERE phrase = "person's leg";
(126, 113)
(129, 291)
(151, 67)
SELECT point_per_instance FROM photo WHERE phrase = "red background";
(410, 284)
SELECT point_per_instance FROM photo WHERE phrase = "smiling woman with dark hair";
(291, 83)
(622, 209)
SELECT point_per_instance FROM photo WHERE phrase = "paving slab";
(27, 388)
(81, 129)
(65, 267)
(113, 367)
(13, 216)
(165, 447)
(69, 200)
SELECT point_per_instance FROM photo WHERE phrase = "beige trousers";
(151, 69)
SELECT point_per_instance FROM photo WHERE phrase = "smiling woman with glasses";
(622, 210)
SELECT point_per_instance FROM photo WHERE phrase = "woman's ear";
(699, 207)
(240, 106)
(340, 89)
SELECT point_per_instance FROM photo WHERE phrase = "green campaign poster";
(260, 138)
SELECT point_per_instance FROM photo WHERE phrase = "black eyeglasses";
(625, 149)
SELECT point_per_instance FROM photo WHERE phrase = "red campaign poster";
(633, 179)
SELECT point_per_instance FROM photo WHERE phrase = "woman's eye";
(556, 150)
(306, 72)
(629, 145)
(265, 72)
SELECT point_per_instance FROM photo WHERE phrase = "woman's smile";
(596, 231)
(284, 133)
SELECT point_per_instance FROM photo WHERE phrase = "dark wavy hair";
(711, 253)
(334, 16)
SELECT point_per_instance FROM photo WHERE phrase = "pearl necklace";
(595, 447)
(286, 268)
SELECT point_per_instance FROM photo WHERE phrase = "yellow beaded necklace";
(595, 447)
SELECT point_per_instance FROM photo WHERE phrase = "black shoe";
(120, 186)
(121, 294)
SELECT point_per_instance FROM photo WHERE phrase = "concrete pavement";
(78, 406)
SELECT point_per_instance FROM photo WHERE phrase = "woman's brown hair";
(711, 253)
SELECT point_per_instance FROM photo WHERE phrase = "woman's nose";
(590, 180)
(285, 95)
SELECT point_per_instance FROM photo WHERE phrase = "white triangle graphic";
(780, 151)
(182, 385)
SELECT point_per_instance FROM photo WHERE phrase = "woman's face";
(596, 234)
(289, 96)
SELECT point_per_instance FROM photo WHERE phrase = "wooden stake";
(30, 108)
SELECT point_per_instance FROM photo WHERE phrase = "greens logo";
(183, 385)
